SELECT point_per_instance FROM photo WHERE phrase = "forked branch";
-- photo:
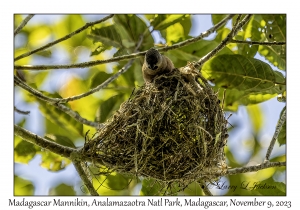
(63, 38)
(124, 57)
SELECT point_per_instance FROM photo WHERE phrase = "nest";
(172, 130)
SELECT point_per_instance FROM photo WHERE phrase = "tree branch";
(42, 142)
(255, 168)
(201, 36)
(33, 91)
(21, 111)
(257, 43)
(24, 22)
(238, 25)
(53, 101)
(63, 38)
(75, 157)
(101, 86)
(106, 82)
(205, 188)
(125, 57)
(275, 136)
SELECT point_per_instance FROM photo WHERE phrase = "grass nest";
(172, 130)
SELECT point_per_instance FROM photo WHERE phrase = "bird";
(155, 64)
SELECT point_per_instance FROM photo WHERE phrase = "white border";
(8, 8)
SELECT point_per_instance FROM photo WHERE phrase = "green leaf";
(269, 187)
(281, 158)
(217, 18)
(174, 34)
(183, 55)
(156, 19)
(138, 75)
(24, 152)
(107, 35)
(17, 140)
(228, 72)
(62, 140)
(282, 134)
(153, 187)
(234, 98)
(117, 181)
(45, 53)
(253, 30)
(126, 78)
(62, 189)
(269, 28)
(256, 117)
(193, 189)
(23, 187)
(186, 23)
(22, 122)
(245, 49)
(255, 98)
(275, 55)
(170, 20)
(150, 187)
(99, 78)
(265, 28)
(17, 20)
(98, 50)
(150, 17)
(108, 107)
(202, 47)
(131, 27)
(242, 73)
(38, 35)
(61, 119)
(69, 24)
(194, 52)
(53, 162)
(40, 77)
(120, 52)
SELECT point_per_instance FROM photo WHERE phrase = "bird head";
(153, 59)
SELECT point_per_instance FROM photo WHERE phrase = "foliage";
(242, 74)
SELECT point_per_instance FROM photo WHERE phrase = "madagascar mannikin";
(155, 64)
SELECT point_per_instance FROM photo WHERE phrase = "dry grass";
(172, 130)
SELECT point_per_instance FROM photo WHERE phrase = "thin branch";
(255, 168)
(33, 91)
(126, 57)
(20, 111)
(42, 142)
(53, 101)
(205, 188)
(201, 36)
(68, 152)
(106, 82)
(257, 43)
(24, 22)
(63, 38)
(77, 117)
(275, 136)
(101, 86)
(238, 25)
(79, 65)
(77, 163)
